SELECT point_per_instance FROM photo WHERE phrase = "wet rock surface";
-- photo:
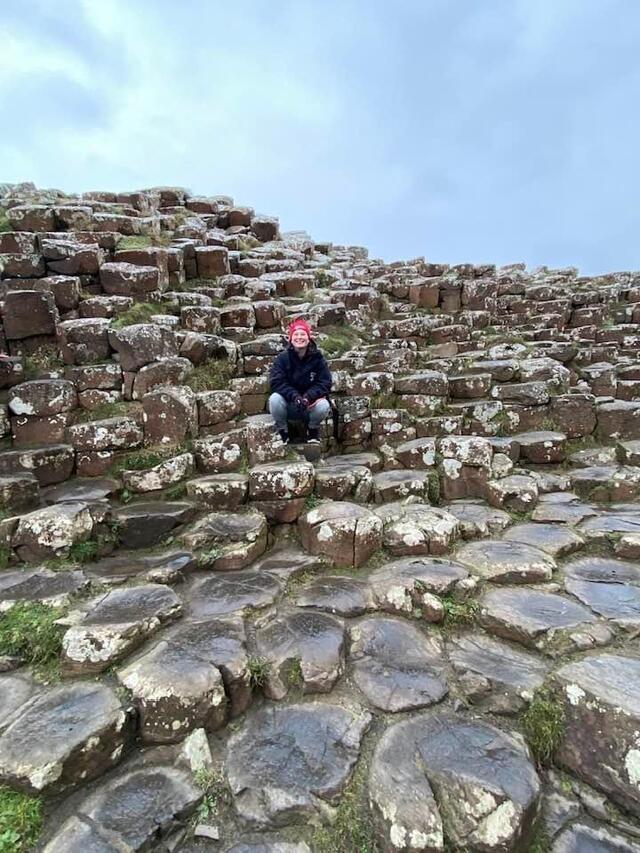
(471, 780)
(288, 762)
(396, 666)
(339, 645)
(61, 737)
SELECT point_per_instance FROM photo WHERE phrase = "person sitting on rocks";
(300, 381)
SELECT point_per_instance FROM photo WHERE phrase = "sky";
(460, 130)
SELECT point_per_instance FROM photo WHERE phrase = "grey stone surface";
(113, 625)
(303, 648)
(129, 812)
(288, 762)
(601, 696)
(228, 592)
(540, 620)
(396, 666)
(63, 736)
(194, 677)
(493, 675)
(439, 769)
(501, 561)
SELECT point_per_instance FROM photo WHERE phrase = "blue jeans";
(281, 412)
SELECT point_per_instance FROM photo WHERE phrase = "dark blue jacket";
(293, 376)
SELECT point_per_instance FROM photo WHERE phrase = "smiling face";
(300, 340)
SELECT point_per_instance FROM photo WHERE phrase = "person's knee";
(277, 403)
(320, 411)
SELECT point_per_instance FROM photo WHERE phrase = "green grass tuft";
(20, 820)
(216, 794)
(543, 724)
(142, 241)
(352, 831)
(311, 502)
(258, 671)
(211, 376)
(46, 359)
(28, 630)
(102, 412)
(458, 614)
(140, 312)
(384, 401)
(5, 225)
(338, 341)
(293, 673)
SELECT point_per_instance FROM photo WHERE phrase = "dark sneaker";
(284, 435)
(313, 436)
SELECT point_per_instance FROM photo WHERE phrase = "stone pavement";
(423, 635)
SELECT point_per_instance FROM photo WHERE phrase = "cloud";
(497, 131)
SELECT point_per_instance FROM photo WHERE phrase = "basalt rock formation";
(421, 634)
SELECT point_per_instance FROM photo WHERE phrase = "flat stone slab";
(396, 666)
(129, 812)
(601, 696)
(190, 679)
(603, 570)
(345, 532)
(493, 675)
(506, 562)
(557, 540)
(228, 592)
(417, 529)
(396, 485)
(290, 561)
(483, 778)
(227, 541)
(304, 648)
(539, 620)
(146, 523)
(288, 762)
(42, 585)
(63, 736)
(276, 481)
(339, 482)
(169, 567)
(111, 626)
(80, 489)
(582, 838)
(620, 603)
(343, 595)
(477, 519)
(15, 689)
(414, 582)
(562, 508)
(601, 526)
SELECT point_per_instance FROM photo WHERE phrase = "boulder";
(228, 541)
(601, 698)
(141, 344)
(287, 763)
(302, 648)
(396, 666)
(111, 626)
(62, 737)
(192, 678)
(347, 533)
(50, 532)
(436, 774)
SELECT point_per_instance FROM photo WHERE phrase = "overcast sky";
(462, 130)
